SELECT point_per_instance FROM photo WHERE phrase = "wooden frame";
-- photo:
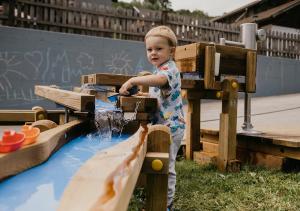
(234, 61)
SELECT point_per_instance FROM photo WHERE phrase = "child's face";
(158, 50)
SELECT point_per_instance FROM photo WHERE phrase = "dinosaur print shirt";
(170, 108)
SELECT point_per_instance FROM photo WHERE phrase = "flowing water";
(41, 187)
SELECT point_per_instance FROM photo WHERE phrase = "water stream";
(41, 187)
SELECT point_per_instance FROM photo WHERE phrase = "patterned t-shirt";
(170, 108)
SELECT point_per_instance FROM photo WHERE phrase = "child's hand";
(125, 87)
(142, 94)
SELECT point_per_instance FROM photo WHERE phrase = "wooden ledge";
(73, 100)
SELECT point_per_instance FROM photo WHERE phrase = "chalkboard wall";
(32, 57)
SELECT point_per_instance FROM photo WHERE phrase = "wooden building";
(284, 13)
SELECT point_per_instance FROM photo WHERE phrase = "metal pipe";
(248, 35)
(248, 38)
(231, 43)
(247, 113)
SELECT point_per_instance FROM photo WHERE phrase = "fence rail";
(74, 16)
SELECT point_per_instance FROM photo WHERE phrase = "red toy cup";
(11, 141)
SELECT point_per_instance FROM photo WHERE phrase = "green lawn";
(204, 188)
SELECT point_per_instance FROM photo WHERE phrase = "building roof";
(238, 10)
(271, 13)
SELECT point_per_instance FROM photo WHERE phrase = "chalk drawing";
(85, 61)
(34, 58)
(119, 63)
(47, 65)
(8, 62)
(141, 66)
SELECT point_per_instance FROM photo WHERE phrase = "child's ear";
(172, 51)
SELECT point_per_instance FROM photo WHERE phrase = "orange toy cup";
(31, 133)
(11, 141)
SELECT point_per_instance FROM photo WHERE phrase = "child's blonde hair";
(163, 31)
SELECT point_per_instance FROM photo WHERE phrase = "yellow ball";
(219, 94)
(157, 165)
(234, 85)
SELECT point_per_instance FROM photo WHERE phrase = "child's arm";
(148, 80)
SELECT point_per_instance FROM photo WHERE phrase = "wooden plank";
(232, 60)
(204, 158)
(210, 153)
(108, 178)
(22, 115)
(193, 128)
(159, 139)
(150, 157)
(251, 72)
(108, 79)
(223, 152)
(31, 155)
(73, 100)
(210, 147)
(229, 107)
(261, 159)
(269, 148)
(209, 67)
(118, 80)
(211, 136)
(17, 116)
(143, 104)
(185, 57)
(138, 116)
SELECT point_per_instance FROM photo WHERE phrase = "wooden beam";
(143, 104)
(228, 121)
(193, 128)
(108, 178)
(108, 79)
(17, 116)
(209, 67)
(223, 155)
(190, 58)
(159, 139)
(251, 72)
(185, 57)
(150, 157)
(72, 100)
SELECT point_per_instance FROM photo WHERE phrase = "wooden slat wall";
(98, 20)
(80, 17)
(280, 44)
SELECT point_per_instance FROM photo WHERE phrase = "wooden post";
(157, 181)
(251, 72)
(209, 67)
(193, 127)
(11, 13)
(228, 120)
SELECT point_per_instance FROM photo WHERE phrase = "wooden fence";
(281, 44)
(74, 16)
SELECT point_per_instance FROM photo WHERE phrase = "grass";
(204, 188)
